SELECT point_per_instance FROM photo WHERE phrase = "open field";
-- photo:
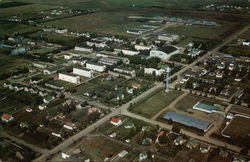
(101, 22)
(11, 63)
(156, 103)
(237, 50)
(189, 101)
(7, 28)
(207, 32)
(237, 127)
(25, 8)
(245, 35)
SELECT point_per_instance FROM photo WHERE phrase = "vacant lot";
(156, 103)
(238, 127)
(187, 102)
(205, 32)
(245, 35)
(237, 50)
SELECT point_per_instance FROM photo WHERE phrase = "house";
(7, 117)
(122, 153)
(129, 125)
(116, 121)
(143, 156)
(56, 133)
(93, 109)
(68, 57)
(191, 144)
(179, 141)
(151, 71)
(129, 52)
(42, 106)
(65, 155)
(29, 109)
(68, 77)
(43, 93)
(40, 65)
(205, 148)
(194, 52)
(60, 116)
(83, 72)
(69, 126)
(246, 43)
(113, 135)
(48, 98)
(96, 67)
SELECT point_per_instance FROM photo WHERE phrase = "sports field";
(156, 103)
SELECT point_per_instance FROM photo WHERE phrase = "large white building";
(61, 31)
(83, 72)
(150, 71)
(163, 55)
(96, 67)
(83, 49)
(69, 78)
(130, 53)
(141, 47)
(168, 38)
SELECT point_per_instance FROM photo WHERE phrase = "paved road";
(123, 110)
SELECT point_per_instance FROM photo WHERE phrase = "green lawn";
(237, 50)
(156, 103)
(11, 28)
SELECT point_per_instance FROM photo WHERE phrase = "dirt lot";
(237, 127)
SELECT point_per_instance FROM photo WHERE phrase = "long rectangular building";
(69, 78)
(82, 72)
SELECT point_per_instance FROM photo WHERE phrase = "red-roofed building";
(116, 121)
(94, 109)
(7, 118)
(61, 116)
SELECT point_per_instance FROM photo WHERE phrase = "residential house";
(48, 98)
(116, 121)
(7, 118)
(69, 126)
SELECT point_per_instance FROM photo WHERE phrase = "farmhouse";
(95, 66)
(157, 72)
(116, 121)
(69, 77)
(83, 72)
(7, 118)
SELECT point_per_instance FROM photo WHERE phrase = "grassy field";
(25, 8)
(237, 50)
(189, 101)
(245, 35)
(156, 103)
(10, 63)
(101, 22)
(206, 32)
(11, 28)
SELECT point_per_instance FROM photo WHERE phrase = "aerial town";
(130, 81)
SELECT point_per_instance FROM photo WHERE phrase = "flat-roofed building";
(95, 66)
(83, 72)
(69, 78)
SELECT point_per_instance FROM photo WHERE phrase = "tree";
(176, 129)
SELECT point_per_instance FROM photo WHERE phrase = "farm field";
(156, 103)
(237, 127)
(25, 8)
(237, 50)
(11, 63)
(7, 28)
(101, 22)
(204, 32)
